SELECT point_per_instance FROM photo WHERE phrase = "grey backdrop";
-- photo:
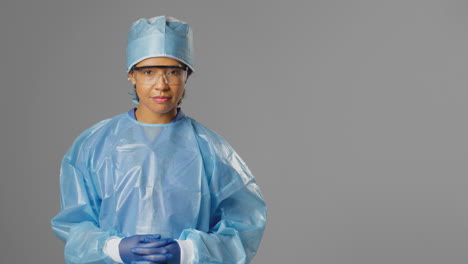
(351, 115)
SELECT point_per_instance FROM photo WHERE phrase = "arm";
(237, 233)
(238, 211)
(77, 223)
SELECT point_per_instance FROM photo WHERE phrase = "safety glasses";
(149, 75)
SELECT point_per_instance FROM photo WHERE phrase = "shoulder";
(101, 129)
(209, 138)
(216, 149)
(205, 133)
(93, 135)
(225, 169)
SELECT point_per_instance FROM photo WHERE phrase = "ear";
(131, 77)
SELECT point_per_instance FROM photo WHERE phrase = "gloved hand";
(143, 241)
(169, 253)
(174, 250)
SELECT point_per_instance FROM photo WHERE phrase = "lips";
(161, 99)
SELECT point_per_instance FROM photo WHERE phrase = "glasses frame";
(184, 68)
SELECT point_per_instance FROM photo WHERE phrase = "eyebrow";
(160, 66)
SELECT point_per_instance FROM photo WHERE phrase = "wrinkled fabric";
(122, 177)
(160, 36)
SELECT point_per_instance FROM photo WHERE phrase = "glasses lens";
(151, 75)
(175, 75)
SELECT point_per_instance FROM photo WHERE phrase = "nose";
(161, 83)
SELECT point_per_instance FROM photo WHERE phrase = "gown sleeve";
(238, 211)
(77, 223)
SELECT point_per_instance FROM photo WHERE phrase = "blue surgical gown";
(122, 177)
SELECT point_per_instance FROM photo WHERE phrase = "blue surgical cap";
(160, 36)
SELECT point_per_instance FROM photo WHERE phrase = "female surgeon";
(153, 185)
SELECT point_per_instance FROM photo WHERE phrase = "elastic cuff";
(111, 249)
(186, 251)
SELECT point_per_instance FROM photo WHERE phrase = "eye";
(148, 72)
(173, 72)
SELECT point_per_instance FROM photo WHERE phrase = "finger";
(158, 243)
(145, 262)
(158, 258)
(148, 250)
(143, 238)
(151, 238)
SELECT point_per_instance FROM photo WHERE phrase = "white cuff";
(111, 248)
(186, 251)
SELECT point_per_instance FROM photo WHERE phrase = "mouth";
(161, 99)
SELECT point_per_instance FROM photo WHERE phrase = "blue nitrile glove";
(174, 250)
(125, 246)
(153, 253)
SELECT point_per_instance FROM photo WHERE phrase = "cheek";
(181, 92)
(141, 90)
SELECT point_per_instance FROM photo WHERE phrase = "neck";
(155, 118)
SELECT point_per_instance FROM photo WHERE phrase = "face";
(160, 99)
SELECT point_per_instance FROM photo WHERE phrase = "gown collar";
(179, 116)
